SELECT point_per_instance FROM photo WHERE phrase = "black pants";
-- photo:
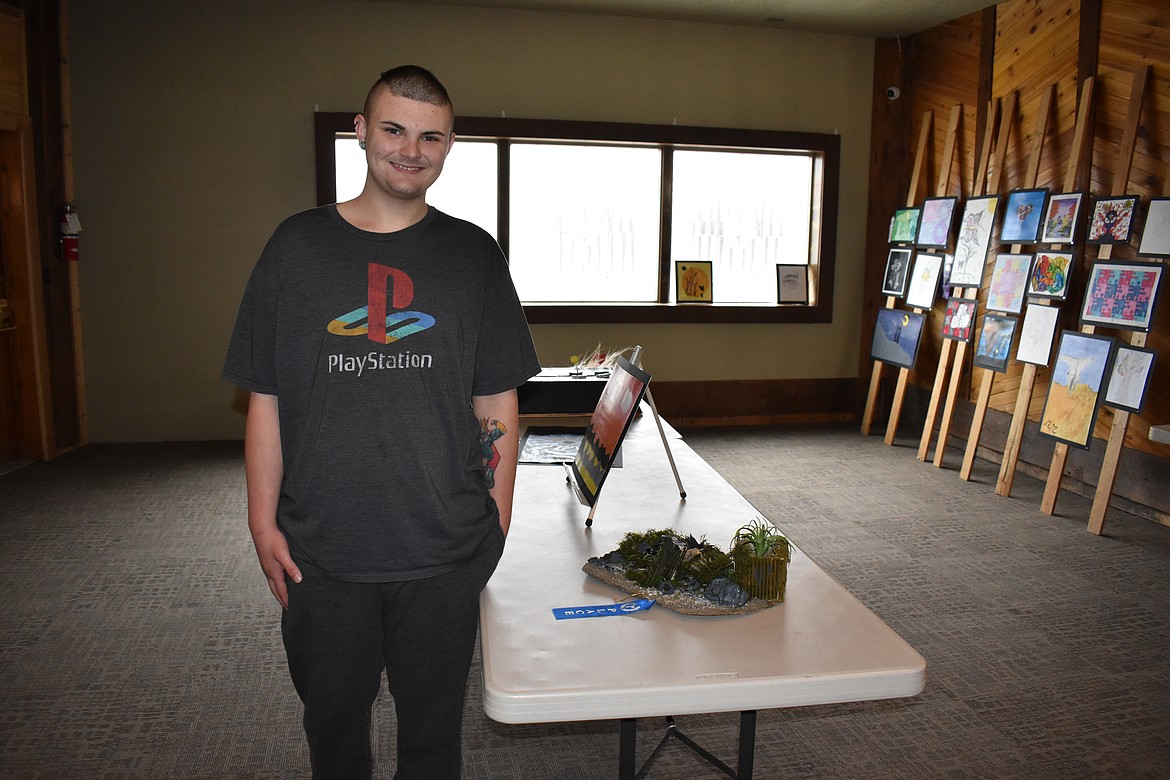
(340, 635)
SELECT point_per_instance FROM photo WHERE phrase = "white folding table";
(820, 646)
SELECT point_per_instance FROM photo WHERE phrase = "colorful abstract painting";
(1121, 294)
(1112, 220)
(1050, 275)
(934, 230)
(1009, 280)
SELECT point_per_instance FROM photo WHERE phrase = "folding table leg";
(747, 744)
(629, 748)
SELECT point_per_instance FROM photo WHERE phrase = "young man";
(382, 342)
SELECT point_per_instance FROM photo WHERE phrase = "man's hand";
(272, 550)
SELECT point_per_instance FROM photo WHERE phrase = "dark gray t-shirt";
(383, 471)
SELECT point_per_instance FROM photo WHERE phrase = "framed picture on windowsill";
(792, 284)
(693, 281)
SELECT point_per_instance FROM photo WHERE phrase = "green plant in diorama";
(760, 554)
(658, 558)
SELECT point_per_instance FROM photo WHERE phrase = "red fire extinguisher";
(70, 234)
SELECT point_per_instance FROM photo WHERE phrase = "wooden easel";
(944, 177)
(875, 378)
(979, 184)
(1015, 435)
(1060, 455)
(979, 188)
(984, 397)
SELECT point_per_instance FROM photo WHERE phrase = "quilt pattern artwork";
(1121, 295)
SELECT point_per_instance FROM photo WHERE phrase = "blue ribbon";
(603, 610)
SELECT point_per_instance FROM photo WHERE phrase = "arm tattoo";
(490, 431)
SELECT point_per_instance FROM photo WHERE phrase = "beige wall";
(193, 138)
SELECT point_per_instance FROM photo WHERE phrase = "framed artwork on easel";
(934, 228)
(1060, 218)
(1156, 235)
(1121, 294)
(1133, 368)
(1083, 361)
(1050, 275)
(608, 425)
(1022, 215)
(1112, 220)
(924, 280)
(973, 241)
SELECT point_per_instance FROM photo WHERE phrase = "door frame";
(20, 255)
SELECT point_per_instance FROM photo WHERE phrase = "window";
(594, 216)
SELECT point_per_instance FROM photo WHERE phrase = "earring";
(361, 144)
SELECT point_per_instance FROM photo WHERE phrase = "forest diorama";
(695, 577)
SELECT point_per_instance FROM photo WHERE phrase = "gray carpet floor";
(138, 640)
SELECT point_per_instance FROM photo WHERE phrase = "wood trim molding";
(757, 401)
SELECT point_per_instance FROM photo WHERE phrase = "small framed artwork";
(1022, 215)
(1112, 220)
(897, 272)
(1060, 218)
(934, 228)
(994, 347)
(1037, 333)
(792, 283)
(1156, 235)
(1050, 275)
(1009, 280)
(1121, 294)
(896, 337)
(1083, 361)
(923, 288)
(973, 241)
(1130, 377)
(693, 281)
(959, 319)
(945, 282)
(904, 225)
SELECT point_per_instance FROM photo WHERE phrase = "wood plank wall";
(1026, 47)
